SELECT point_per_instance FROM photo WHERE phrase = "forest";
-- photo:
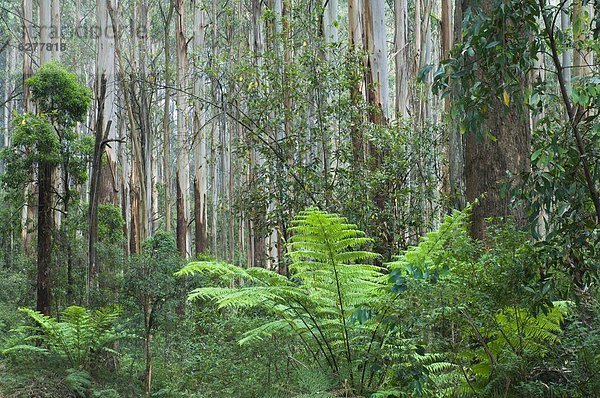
(299, 198)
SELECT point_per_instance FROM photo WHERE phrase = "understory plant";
(325, 303)
(483, 312)
(81, 338)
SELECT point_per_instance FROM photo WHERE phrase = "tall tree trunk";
(27, 26)
(56, 30)
(401, 57)
(487, 161)
(45, 185)
(377, 67)
(200, 162)
(105, 69)
(104, 186)
(45, 24)
(355, 38)
(138, 123)
(28, 213)
(146, 130)
(44, 233)
(182, 175)
(446, 46)
(167, 118)
(456, 161)
(148, 307)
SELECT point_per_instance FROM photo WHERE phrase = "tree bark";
(488, 162)
(182, 175)
(105, 70)
(201, 164)
(167, 119)
(56, 39)
(355, 37)
(377, 67)
(44, 234)
(45, 19)
(401, 57)
(28, 213)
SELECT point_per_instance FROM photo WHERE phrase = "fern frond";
(330, 280)
(268, 329)
(25, 347)
(79, 335)
(218, 269)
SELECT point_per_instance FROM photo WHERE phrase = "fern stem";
(333, 365)
(341, 303)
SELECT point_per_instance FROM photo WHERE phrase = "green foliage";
(79, 338)
(149, 279)
(59, 96)
(110, 223)
(78, 381)
(483, 316)
(437, 252)
(517, 336)
(555, 192)
(415, 372)
(49, 137)
(34, 142)
(489, 65)
(200, 357)
(322, 301)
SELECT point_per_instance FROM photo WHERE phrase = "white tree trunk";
(401, 57)
(56, 30)
(105, 70)
(45, 25)
(183, 171)
(376, 46)
(200, 134)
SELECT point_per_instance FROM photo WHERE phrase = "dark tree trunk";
(489, 164)
(181, 223)
(44, 237)
(456, 150)
(201, 243)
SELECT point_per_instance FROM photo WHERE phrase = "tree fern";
(330, 281)
(437, 252)
(517, 334)
(79, 336)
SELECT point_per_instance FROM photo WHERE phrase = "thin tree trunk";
(56, 30)
(167, 119)
(355, 37)
(44, 234)
(401, 57)
(45, 24)
(28, 212)
(103, 182)
(182, 175)
(377, 67)
(201, 165)
(455, 142)
(148, 349)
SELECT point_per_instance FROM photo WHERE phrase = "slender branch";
(571, 113)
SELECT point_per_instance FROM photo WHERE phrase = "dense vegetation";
(238, 198)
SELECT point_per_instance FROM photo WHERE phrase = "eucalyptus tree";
(42, 142)
(183, 171)
(491, 103)
(104, 186)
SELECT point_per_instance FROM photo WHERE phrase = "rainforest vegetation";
(299, 198)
